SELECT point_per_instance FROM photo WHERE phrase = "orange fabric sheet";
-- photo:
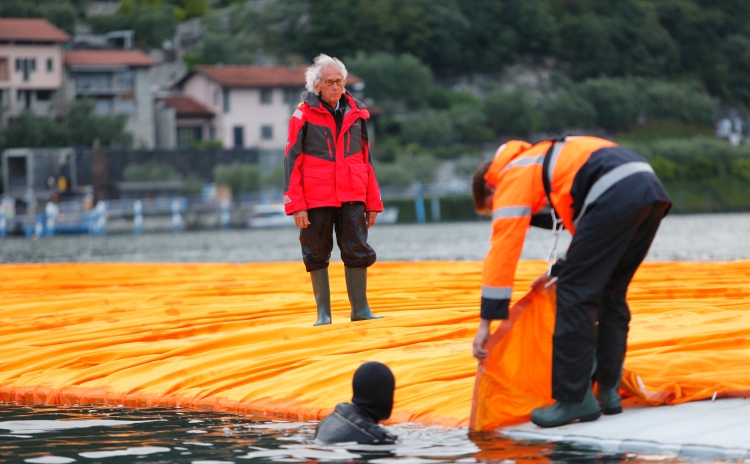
(689, 341)
(239, 337)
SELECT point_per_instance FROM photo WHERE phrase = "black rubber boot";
(356, 287)
(609, 398)
(564, 412)
(322, 292)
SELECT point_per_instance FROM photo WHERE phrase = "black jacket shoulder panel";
(348, 423)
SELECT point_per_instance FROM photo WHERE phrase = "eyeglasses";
(330, 82)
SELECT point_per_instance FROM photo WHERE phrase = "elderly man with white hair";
(330, 184)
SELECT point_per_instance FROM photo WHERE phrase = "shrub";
(682, 102)
(741, 168)
(701, 167)
(664, 168)
(240, 177)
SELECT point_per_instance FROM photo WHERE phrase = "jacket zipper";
(328, 141)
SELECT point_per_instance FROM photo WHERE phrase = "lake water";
(709, 237)
(99, 434)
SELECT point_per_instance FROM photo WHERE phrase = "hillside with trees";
(452, 79)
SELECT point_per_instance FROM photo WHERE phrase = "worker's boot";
(322, 292)
(609, 398)
(356, 287)
(563, 412)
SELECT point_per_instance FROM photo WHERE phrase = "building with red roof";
(31, 67)
(119, 82)
(187, 121)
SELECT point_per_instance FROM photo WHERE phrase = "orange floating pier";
(239, 337)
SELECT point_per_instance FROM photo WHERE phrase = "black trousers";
(592, 313)
(350, 224)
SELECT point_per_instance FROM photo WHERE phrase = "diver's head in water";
(373, 385)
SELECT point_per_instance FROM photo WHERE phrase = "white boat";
(273, 215)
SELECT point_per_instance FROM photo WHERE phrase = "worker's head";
(373, 385)
(482, 190)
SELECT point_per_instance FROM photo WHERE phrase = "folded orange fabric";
(689, 340)
(239, 337)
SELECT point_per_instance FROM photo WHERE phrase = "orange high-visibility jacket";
(576, 178)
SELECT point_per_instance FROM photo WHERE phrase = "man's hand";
(300, 219)
(543, 281)
(480, 340)
(372, 217)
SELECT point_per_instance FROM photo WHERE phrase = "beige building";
(31, 68)
(119, 82)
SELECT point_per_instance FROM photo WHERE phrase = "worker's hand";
(480, 340)
(372, 217)
(300, 219)
(543, 281)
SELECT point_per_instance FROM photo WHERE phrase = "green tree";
(429, 128)
(61, 13)
(683, 102)
(617, 101)
(470, 123)
(188, 9)
(567, 109)
(80, 128)
(509, 112)
(84, 126)
(395, 82)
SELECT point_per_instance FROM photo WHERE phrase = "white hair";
(313, 73)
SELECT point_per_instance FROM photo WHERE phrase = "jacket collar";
(313, 101)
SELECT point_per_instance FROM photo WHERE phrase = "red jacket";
(321, 169)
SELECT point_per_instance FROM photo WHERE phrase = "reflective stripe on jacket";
(323, 169)
(580, 170)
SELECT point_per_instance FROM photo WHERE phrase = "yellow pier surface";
(239, 337)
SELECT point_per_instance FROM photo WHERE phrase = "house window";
(239, 137)
(266, 96)
(292, 96)
(26, 66)
(226, 100)
(216, 97)
(43, 95)
(266, 132)
(4, 74)
(93, 82)
(187, 135)
(211, 133)
(50, 65)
